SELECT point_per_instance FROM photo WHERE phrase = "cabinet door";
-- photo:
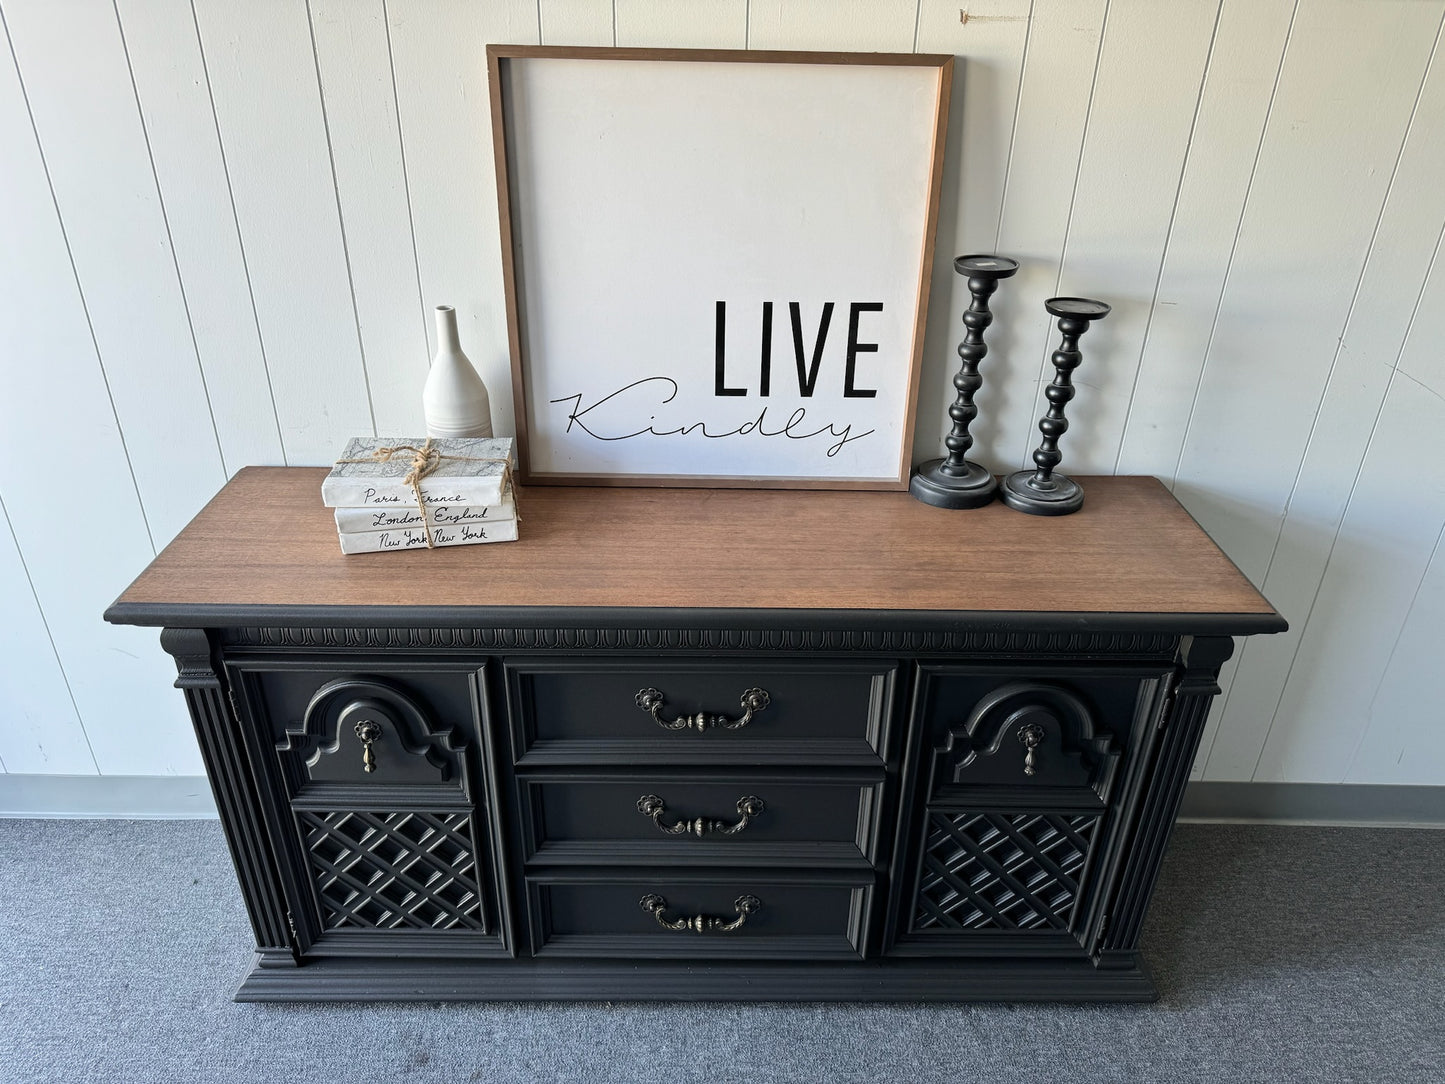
(379, 804)
(1023, 783)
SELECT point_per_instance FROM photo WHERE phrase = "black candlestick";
(956, 482)
(1041, 492)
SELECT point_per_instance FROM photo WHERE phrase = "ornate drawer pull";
(368, 731)
(743, 905)
(1032, 737)
(753, 701)
(650, 805)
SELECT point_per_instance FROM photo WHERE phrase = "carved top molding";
(191, 648)
(659, 639)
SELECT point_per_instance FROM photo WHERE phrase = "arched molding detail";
(431, 753)
(1048, 720)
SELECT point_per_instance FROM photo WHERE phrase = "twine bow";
(425, 460)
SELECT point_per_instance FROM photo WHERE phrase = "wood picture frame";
(716, 262)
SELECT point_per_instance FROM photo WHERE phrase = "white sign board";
(717, 262)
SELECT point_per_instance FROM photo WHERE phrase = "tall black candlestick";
(1041, 492)
(956, 482)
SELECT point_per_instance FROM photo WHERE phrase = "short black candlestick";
(956, 482)
(1041, 492)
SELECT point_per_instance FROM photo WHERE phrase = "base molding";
(188, 797)
(124, 797)
(1351, 805)
(349, 979)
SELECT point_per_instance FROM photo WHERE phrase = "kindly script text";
(612, 417)
(632, 410)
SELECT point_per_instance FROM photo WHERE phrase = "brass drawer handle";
(753, 701)
(1032, 737)
(749, 806)
(743, 905)
(368, 731)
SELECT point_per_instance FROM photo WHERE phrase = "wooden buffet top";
(266, 541)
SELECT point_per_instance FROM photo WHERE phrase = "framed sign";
(716, 263)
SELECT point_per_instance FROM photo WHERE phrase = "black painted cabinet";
(695, 744)
(450, 812)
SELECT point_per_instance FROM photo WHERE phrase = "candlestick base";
(973, 489)
(1059, 496)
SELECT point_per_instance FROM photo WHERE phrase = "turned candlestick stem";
(1042, 492)
(955, 481)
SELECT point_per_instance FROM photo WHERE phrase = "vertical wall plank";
(990, 52)
(40, 731)
(263, 79)
(1350, 710)
(701, 24)
(1387, 301)
(870, 26)
(120, 682)
(1404, 743)
(1275, 337)
(1249, 43)
(1238, 89)
(78, 84)
(354, 60)
(576, 22)
(1129, 177)
(1377, 565)
(446, 128)
(175, 102)
(1053, 109)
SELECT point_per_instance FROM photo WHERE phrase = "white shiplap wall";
(224, 226)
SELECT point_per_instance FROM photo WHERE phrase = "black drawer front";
(736, 709)
(669, 819)
(723, 916)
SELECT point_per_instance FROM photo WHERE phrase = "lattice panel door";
(393, 871)
(1003, 871)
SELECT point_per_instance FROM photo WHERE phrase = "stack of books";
(465, 488)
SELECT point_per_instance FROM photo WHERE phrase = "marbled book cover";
(471, 472)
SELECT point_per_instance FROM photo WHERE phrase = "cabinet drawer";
(669, 819)
(671, 711)
(721, 916)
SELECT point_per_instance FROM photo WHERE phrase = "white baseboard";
(132, 797)
(188, 797)
(1354, 805)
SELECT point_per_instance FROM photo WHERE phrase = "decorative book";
(391, 517)
(401, 493)
(466, 471)
(414, 538)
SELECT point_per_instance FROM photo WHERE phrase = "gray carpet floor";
(1293, 954)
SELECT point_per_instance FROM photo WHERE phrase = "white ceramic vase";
(454, 400)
